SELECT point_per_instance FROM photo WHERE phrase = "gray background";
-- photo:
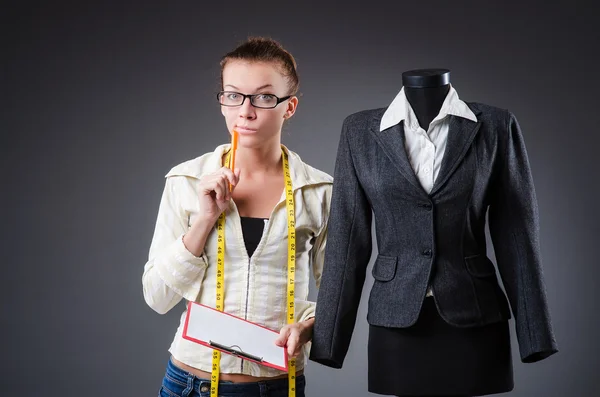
(99, 101)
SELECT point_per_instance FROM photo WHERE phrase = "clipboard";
(234, 335)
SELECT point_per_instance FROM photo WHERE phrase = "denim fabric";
(180, 383)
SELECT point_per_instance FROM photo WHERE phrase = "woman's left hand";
(294, 336)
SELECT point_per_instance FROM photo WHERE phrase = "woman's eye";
(265, 98)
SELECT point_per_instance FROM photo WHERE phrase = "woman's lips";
(245, 130)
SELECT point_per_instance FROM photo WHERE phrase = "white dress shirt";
(425, 149)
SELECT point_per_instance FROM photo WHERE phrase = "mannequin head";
(426, 90)
(426, 78)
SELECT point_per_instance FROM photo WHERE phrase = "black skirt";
(433, 358)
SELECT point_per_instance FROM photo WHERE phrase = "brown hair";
(263, 49)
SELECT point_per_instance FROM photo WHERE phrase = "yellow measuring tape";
(289, 194)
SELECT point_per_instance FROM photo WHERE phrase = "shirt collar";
(301, 173)
(400, 110)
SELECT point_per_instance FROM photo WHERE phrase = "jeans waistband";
(185, 377)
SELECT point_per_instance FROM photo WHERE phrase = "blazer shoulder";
(364, 116)
(490, 114)
(498, 123)
(358, 124)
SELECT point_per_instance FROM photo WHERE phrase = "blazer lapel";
(391, 141)
(461, 133)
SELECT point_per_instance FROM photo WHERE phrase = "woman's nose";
(246, 110)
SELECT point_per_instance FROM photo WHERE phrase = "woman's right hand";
(215, 194)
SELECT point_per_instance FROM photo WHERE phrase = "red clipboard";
(234, 335)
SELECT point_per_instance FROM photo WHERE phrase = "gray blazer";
(436, 238)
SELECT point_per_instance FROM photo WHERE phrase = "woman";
(259, 83)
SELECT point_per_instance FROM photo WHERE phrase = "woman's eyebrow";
(257, 89)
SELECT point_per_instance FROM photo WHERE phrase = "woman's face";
(256, 126)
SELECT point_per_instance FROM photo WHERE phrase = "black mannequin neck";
(426, 90)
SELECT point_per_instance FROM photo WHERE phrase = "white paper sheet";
(206, 324)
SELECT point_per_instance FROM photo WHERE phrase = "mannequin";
(429, 167)
(426, 90)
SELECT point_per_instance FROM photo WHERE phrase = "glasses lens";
(229, 98)
(264, 101)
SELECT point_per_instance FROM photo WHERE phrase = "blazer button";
(427, 206)
(427, 252)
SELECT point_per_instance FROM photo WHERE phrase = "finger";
(224, 186)
(235, 179)
(297, 351)
(230, 175)
(208, 181)
(221, 178)
(220, 190)
(292, 344)
(209, 187)
(283, 336)
(218, 184)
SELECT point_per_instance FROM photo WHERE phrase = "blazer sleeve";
(514, 230)
(346, 258)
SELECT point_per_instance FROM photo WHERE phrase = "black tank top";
(252, 229)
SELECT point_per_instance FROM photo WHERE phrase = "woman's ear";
(291, 107)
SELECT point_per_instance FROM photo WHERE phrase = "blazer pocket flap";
(480, 266)
(384, 268)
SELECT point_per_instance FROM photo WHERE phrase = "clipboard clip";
(231, 350)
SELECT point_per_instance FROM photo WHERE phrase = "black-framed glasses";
(263, 101)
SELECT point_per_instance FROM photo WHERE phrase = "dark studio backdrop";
(99, 101)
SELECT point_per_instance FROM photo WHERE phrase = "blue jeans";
(180, 383)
